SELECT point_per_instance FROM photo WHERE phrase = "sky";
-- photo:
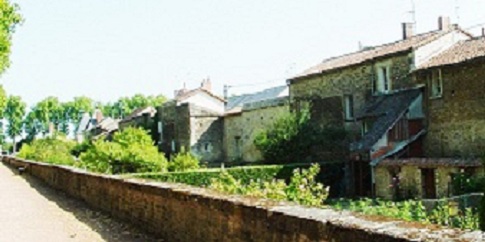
(112, 48)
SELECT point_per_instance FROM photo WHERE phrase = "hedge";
(203, 177)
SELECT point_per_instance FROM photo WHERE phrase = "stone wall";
(411, 180)
(194, 128)
(241, 129)
(181, 213)
(456, 125)
(355, 80)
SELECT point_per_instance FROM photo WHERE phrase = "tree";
(48, 111)
(3, 105)
(9, 18)
(14, 113)
(124, 106)
(32, 126)
(77, 107)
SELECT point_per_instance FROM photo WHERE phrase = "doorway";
(428, 181)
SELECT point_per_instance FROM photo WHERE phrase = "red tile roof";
(372, 53)
(462, 51)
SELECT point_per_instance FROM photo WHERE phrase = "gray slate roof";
(239, 101)
(85, 123)
(387, 109)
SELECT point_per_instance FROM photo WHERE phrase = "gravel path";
(31, 211)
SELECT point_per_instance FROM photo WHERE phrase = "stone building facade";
(455, 101)
(241, 128)
(339, 88)
(192, 128)
(422, 177)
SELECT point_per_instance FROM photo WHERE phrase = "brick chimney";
(206, 85)
(444, 23)
(407, 30)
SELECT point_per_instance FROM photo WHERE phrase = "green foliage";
(463, 183)
(294, 137)
(50, 150)
(183, 161)
(14, 113)
(302, 189)
(126, 105)
(131, 150)
(411, 210)
(3, 105)
(9, 19)
(245, 174)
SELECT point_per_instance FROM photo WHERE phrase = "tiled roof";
(460, 52)
(372, 53)
(387, 109)
(270, 93)
(432, 162)
(193, 92)
(140, 111)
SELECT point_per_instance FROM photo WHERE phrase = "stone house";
(341, 87)
(246, 116)
(454, 142)
(192, 121)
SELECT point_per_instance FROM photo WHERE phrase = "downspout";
(373, 179)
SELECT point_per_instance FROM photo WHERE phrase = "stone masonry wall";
(355, 80)
(181, 213)
(247, 126)
(456, 125)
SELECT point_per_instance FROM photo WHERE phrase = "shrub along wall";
(178, 213)
(244, 173)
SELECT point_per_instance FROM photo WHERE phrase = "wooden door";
(428, 182)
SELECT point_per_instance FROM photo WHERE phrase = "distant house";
(247, 115)
(86, 125)
(192, 121)
(140, 118)
(106, 128)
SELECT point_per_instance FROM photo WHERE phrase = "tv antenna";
(413, 13)
(457, 13)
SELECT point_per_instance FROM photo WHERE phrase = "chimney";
(180, 92)
(483, 32)
(444, 23)
(98, 116)
(407, 30)
(206, 84)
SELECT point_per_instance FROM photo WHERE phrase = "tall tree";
(32, 126)
(14, 113)
(9, 18)
(48, 111)
(77, 107)
(3, 105)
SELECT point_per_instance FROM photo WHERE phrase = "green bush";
(294, 137)
(50, 150)
(131, 151)
(302, 189)
(244, 174)
(412, 210)
(183, 161)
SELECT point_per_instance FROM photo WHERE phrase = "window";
(349, 107)
(383, 83)
(435, 83)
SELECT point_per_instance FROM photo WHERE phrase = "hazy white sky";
(112, 48)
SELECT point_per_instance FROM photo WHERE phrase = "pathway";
(31, 211)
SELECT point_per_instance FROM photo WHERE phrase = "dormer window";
(383, 82)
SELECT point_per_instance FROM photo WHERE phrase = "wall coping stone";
(321, 224)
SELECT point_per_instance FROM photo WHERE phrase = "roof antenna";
(457, 13)
(413, 14)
